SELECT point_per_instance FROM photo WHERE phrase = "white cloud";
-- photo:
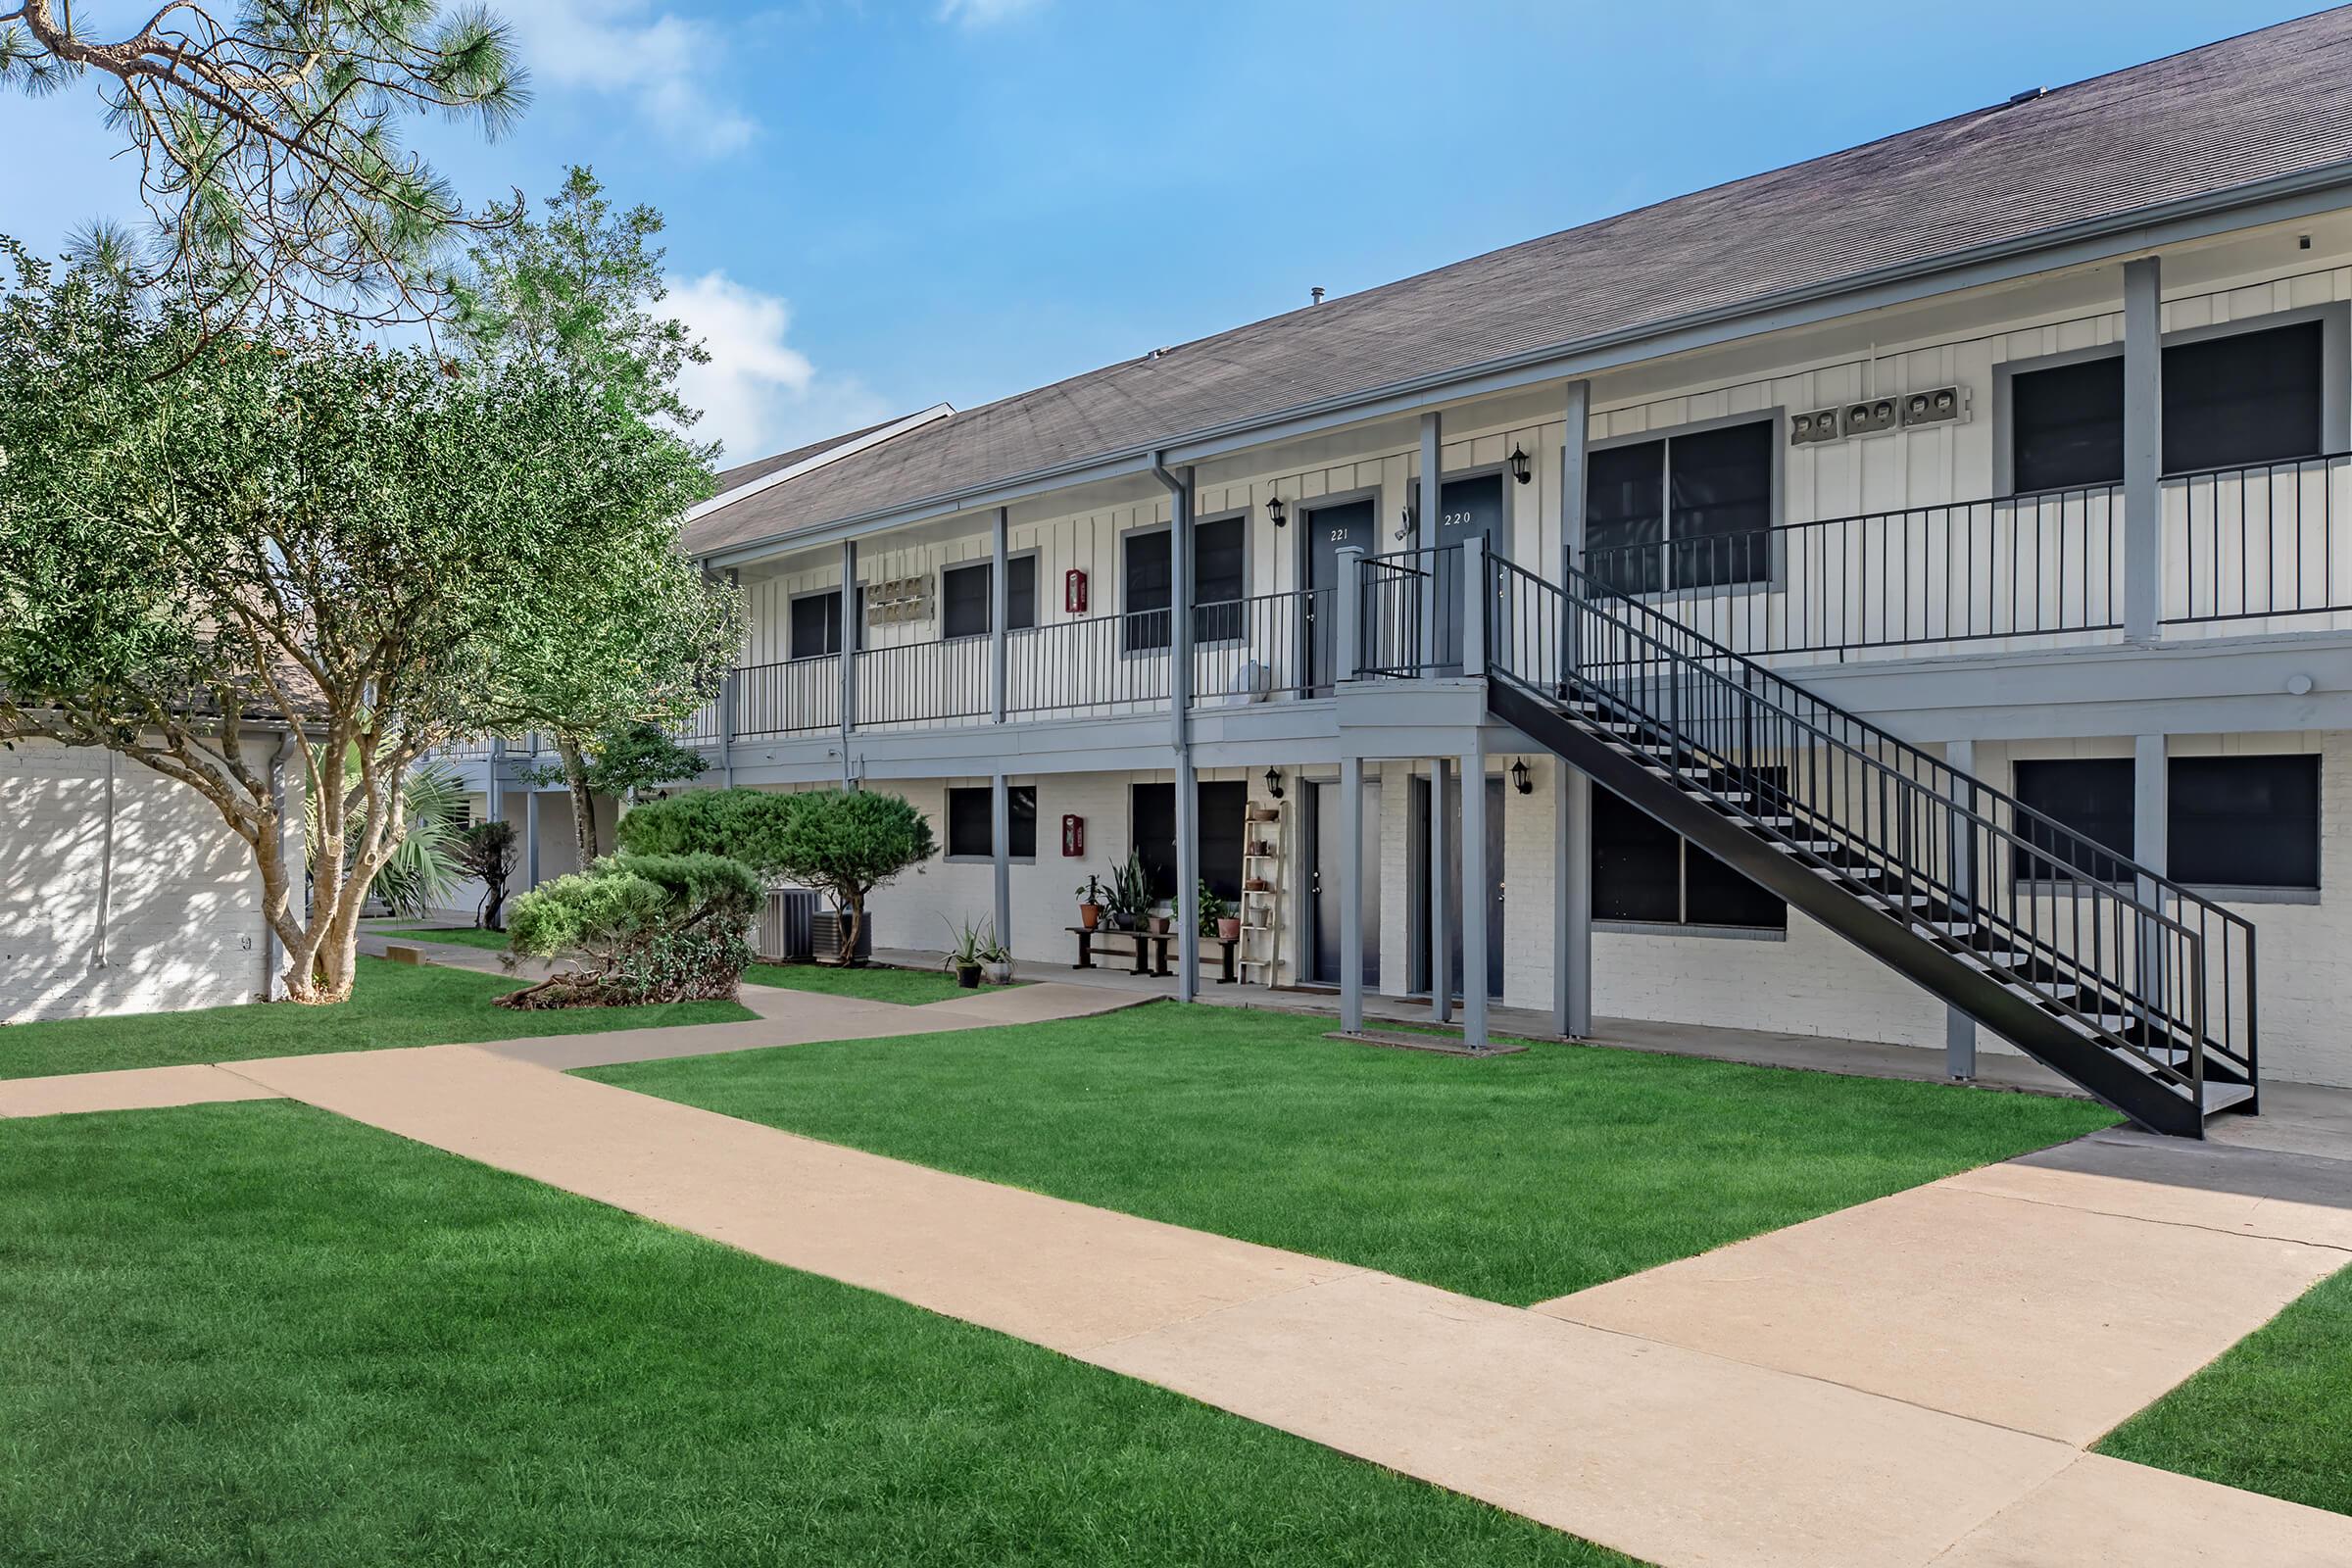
(662, 62)
(977, 13)
(759, 394)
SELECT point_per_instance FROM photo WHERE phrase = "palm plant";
(424, 868)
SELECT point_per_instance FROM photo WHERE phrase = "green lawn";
(2272, 1415)
(392, 1004)
(911, 987)
(463, 936)
(257, 1334)
(1517, 1179)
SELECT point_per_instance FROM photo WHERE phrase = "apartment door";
(1453, 841)
(1466, 507)
(1326, 844)
(1329, 530)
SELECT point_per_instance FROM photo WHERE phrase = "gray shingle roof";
(2231, 114)
(744, 473)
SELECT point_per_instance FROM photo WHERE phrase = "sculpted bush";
(637, 928)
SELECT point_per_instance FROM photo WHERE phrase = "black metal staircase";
(2126, 983)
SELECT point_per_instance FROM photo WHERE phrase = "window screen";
(2092, 798)
(1020, 593)
(968, 819)
(1146, 594)
(2231, 401)
(971, 819)
(1692, 511)
(1218, 580)
(1219, 836)
(963, 593)
(2245, 821)
(2066, 425)
(1643, 871)
(2250, 397)
(815, 625)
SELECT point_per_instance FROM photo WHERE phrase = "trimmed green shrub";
(742, 824)
(639, 928)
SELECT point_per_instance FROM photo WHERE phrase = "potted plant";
(1158, 919)
(976, 947)
(1130, 895)
(1257, 884)
(1090, 903)
(1218, 919)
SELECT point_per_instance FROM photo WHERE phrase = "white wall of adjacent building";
(146, 904)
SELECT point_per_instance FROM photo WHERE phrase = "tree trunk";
(853, 929)
(583, 800)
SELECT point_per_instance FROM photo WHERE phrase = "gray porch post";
(530, 838)
(1572, 791)
(728, 695)
(850, 639)
(1000, 839)
(1179, 485)
(1959, 1029)
(1477, 888)
(1351, 894)
(2143, 449)
(999, 606)
(1348, 618)
(1440, 913)
(1432, 489)
(496, 786)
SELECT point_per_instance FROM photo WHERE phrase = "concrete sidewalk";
(1748, 1446)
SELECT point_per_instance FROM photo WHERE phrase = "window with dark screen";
(1219, 836)
(815, 625)
(1686, 511)
(963, 596)
(970, 822)
(1645, 873)
(2244, 821)
(2090, 797)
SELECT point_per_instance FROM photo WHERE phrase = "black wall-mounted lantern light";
(1519, 778)
(1523, 468)
(1407, 519)
(1274, 783)
(1275, 510)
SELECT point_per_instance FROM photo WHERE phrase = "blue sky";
(876, 206)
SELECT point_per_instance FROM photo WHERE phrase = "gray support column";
(1572, 791)
(1000, 839)
(1432, 464)
(496, 786)
(1347, 617)
(851, 637)
(729, 700)
(1441, 913)
(1572, 904)
(1477, 888)
(999, 606)
(1351, 894)
(1577, 414)
(1959, 1029)
(531, 839)
(1179, 484)
(2143, 449)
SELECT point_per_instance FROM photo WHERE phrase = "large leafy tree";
(577, 294)
(208, 537)
(266, 137)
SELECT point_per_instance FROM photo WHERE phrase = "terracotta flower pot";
(1159, 925)
(1089, 915)
(1229, 929)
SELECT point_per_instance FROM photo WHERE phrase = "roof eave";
(2276, 199)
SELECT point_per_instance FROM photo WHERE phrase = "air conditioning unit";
(824, 936)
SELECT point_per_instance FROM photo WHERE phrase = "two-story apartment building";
(1902, 596)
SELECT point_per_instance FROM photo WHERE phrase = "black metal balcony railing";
(2255, 543)
(2030, 566)
(2260, 541)
(790, 698)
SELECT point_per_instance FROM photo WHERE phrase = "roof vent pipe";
(1317, 292)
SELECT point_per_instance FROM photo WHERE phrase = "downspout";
(1180, 704)
(105, 867)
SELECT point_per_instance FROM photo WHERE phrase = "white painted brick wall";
(183, 921)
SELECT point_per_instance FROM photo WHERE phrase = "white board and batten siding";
(159, 911)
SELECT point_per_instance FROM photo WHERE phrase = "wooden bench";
(1149, 951)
